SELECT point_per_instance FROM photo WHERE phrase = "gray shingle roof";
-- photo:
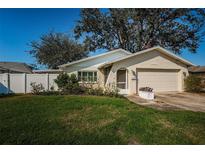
(15, 67)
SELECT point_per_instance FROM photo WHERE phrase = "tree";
(55, 49)
(138, 29)
(193, 83)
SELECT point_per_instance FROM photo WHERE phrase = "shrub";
(69, 84)
(75, 88)
(98, 91)
(193, 83)
(203, 84)
(36, 88)
(73, 79)
(112, 91)
(62, 80)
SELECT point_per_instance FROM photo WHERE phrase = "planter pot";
(146, 95)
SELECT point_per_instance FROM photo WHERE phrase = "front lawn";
(94, 120)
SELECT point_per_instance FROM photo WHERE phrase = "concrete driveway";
(187, 101)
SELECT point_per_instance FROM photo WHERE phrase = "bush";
(73, 79)
(36, 88)
(98, 91)
(193, 83)
(69, 84)
(112, 91)
(51, 91)
(75, 88)
(62, 80)
(203, 84)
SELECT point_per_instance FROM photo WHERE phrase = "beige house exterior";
(155, 67)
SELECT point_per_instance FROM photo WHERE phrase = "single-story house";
(14, 67)
(154, 67)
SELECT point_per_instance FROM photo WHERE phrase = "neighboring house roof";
(197, 69)
(15, 67)
(2, 69)
(166, 52)
(93, 57)
(47, 71)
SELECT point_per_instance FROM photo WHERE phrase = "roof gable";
(158, 48)
(113, 52)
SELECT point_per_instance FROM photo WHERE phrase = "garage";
(160, 80)
(155, 67)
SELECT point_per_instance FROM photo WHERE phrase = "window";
(121, 79)
(87, 76)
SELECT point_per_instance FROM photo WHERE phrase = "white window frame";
(93, 76)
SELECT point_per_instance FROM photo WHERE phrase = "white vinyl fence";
(21, 83)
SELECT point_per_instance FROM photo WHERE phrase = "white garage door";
(159, 80)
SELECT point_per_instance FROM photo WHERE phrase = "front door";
(122, 81)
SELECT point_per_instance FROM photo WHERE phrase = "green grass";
(94, 120)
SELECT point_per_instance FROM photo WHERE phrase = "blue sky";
(20, 26)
